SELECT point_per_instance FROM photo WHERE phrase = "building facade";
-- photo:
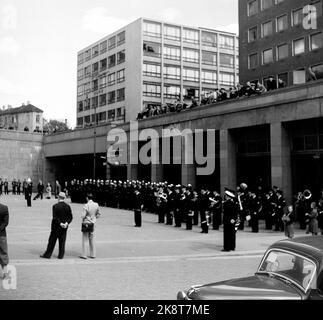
(151, 63)
(24, 118)
(280, 38)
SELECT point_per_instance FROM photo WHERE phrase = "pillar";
(188, 164)
(228, 161)
(132, 166)
(157, 174)
(281, 172)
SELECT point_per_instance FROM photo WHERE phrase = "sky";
(39, 41)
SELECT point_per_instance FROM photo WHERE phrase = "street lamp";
(94, 147)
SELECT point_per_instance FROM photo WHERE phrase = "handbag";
(87, 227)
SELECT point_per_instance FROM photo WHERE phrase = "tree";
(53, 126)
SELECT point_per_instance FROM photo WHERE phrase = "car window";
(291, 266)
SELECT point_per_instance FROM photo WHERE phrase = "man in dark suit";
(271, 84)
(62, 218)
(28, 192)
(4, 220)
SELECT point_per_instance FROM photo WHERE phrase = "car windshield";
(290, 266)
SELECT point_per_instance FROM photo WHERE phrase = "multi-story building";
(24, 118)
(151, 62)
(280, 38)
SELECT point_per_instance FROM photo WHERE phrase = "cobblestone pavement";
(152, 262)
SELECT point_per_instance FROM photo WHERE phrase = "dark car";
(289, 270)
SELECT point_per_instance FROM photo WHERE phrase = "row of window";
(110, 115)
(154, 29)
(173, 91)
(283, 50)
(281, 24)
(102, 100)
(101, 48)
(174, 72)
(102, 82)
(253, 5)
(189, 55)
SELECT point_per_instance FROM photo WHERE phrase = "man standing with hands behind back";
(4, 260)
(62, 218)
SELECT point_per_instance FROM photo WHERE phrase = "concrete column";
(108, 171)
(157, 174)
(228, 161)
(132, 168)
(281, 175)
(188, 165)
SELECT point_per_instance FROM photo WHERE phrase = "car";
(289, 270)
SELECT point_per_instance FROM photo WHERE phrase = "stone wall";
(21, 156)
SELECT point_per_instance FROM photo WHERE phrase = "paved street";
(152, 262)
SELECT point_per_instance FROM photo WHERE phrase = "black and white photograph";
(161, 151)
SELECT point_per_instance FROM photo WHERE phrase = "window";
(209, 58)
(112, 43)
(152, 49)
(112, 61)
(80, 58)
(37, 119)
(95, 51)
(284, 78)
(152, 29)
(253, 32)
(172, 33)
(111, 79)
(121, 56)
(172, 92)
(102, 116)
(172, 72)
(103, 100)
(80, 106)
(252, 8)
(95, 102)
(226, 60)
(297, 17)
(191, 74)
(152, 70)
(209, 76)
(102, 82)
(282, 23)
(121, 94)
(111, 97)
(87, 119)
(95, 67)
(151, 90)
(80, 121)
(191, 93)
(190, 55)
(103, 64)
(267, 56)
(172, 53)
(95, 85)
(120, 76)
(298, 46)
(87, 104)
(209, 39)
(253, 61)
(191, 36)
(111, 114)
(227, 78)
(87, 71)
(80, 74)
(120, 112)
(299, 76)
(266, 4)
(87, 87)
(80, 90)
(282, 51)
(226, 42)
(121, 38)
(103, 47)
(266, 29)
(87, 55)
(316, 41)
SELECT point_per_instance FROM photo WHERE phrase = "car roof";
(311, 246)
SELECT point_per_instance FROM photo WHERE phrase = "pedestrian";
(40, 190)
(320, 215)
(57, 189)
(89, 216)
(62, 218)
(18, 187)
(311, 220)
(4, 259)
(49, 191)
(6, 186)
(288, 219)
(137, 207)
(28, 192)
(230, 220)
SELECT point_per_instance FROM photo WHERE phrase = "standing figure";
(49, 191)
(40, 190)
(14, 186)
(57, 189)
(216, 210)
(62, 218)
(204, 207)
(288, 219)
(320, 215)
(1, 186)
(28, 192)
(89, 216)
(137, 207)
(6, 186)
(230, 220)
(4, 259)
(24, 185)
(18, 187)
(280, 206)
(311, 220)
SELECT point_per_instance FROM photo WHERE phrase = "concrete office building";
(151, 62)
(276, 38)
